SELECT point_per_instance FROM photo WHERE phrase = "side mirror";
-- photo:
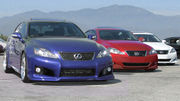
(141, 39)
(178, 42)
(91, 37)
(17, 35)
(164, 41)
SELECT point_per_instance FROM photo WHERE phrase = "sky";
(11, 7)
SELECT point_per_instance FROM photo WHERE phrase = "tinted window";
(17, 30)
(54, 29)
(116, 35)
(21, 29)
(174, 41)
(24, 29)
(148, 38)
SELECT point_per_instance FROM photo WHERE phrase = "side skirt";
(18, 71)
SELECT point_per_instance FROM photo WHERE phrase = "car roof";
(173, 38)
(45, 20)
(108, 28)
(144, 33)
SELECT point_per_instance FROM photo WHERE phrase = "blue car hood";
(65, 44)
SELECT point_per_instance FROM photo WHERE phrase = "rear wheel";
(24, 70)
(5, 64)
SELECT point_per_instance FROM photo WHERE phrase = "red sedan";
(127, 52)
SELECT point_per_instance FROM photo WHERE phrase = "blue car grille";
(136, 53)
(70, 56)
(77, 72)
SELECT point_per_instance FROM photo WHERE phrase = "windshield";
(54, 29)
(148, 38)
(116, 35)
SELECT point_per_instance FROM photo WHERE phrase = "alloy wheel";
(4, 62)
(23, 66)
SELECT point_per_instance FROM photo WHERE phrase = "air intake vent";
(77, 72)
(136, 64)
(165, 60)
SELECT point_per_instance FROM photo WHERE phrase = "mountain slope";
(129, 17)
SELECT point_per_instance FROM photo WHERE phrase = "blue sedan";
(47, 50)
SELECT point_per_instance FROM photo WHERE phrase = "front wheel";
(171, 63)
(5, 64)
(150, 70)
(24, 70)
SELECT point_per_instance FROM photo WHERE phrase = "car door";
(10, 45)
(17, 46)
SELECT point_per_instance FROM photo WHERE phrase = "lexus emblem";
(136, 53)
(161, 52)
(77, 56)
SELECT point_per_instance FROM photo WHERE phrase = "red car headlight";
(115, 51)
(152, 52)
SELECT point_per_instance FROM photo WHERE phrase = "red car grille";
(136, 53)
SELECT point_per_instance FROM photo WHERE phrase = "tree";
(4, 37)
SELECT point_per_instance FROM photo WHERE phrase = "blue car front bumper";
(53, 68)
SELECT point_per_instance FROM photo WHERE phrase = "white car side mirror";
(164, 41)
(178, 42)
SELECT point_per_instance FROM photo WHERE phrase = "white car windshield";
(148, 38)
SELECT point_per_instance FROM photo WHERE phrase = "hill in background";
(127, 17)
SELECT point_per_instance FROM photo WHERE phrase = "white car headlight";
(172, 50)
(115, 51)
(103, 53)
(152, 52)
(44, 53)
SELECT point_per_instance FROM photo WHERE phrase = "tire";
(150, 70)
(171, 64)
(6, 68)
(24, 70)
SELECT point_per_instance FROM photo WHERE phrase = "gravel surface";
(160, 85)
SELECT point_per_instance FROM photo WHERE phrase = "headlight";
(115, 51)
(152, 52)
(172, 50)
(103, 53)
(44, 53)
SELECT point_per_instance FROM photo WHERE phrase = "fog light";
(109, 69)
(38, 70)
(104, 72)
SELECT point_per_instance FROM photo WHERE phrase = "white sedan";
(166, 53)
